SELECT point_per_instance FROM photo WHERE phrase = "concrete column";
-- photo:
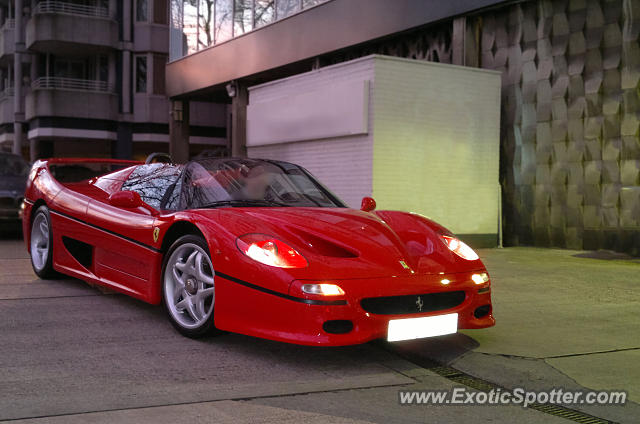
(457, 42)
(239, 121)
(126, 20)
(126, 81)
(17, 80)
(465, 43)
(122, 148)
(179, 131)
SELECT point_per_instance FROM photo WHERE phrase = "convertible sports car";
(257, 247)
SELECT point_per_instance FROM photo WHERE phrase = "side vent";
(82, 252)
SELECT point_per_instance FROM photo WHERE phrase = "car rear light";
(270, 251)
(323, 289)
(459, 248)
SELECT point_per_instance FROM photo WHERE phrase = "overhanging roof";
(332, 26)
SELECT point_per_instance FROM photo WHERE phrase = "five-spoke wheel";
(189, 286)
(41, 244)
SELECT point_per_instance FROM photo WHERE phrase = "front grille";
(413, 304)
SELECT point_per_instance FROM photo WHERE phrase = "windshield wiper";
(244, 202)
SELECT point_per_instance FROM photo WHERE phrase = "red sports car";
(257, 247)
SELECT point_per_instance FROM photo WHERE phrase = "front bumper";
(277, 318)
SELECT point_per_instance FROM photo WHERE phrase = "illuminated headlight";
(323, 289)
(270, 251)
(480, 278)
(458, 247)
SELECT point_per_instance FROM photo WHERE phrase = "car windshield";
(251, 182)
(13, 165)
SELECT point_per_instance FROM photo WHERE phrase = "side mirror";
(368, 204)
(125, 199)
(130, 199)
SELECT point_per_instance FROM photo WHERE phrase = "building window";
(223, 29)
(311, 3)
(242, 19)
(287, 7)
(205, 23)
(141, 74)
(70, 68)
(141, 10)
(159, 63)
(264, 12)
(160, 11)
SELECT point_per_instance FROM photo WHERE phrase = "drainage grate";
(485, 386)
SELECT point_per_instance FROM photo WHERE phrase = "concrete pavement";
(72, 354)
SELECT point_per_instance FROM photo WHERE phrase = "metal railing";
(71, 84)
(71, 9)
(6, 93)
(8, 24)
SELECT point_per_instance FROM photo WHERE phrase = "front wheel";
(189, 286)
(41, 245)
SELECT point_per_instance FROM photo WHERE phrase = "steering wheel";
(158, 157)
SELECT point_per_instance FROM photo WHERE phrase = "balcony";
(66, 28)
(151, 37)
(6, 106)
(7, 46)
(70, 97)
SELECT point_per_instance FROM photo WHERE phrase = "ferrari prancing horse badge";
(156, 233)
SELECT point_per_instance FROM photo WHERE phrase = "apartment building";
(87, 78)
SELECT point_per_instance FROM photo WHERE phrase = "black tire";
(188, 293)
(41, 244)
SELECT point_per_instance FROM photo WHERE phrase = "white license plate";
(417, 328)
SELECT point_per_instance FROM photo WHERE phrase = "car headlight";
(323, 289)
(459, 248)
(481, 278)
(270, 251)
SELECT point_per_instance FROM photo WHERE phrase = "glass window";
(311, 3)
(264, 12)
(250, 182)
(70, 68)
(205, 22)
(12, 165)
(177, 38)
(223, 29)
(141, 74)
(103, 68)
(160, 12)
(155, 184)
(242, 20)
(287, 7)
(159, 63)
(141, 10)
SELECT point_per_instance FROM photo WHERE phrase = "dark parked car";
(13, 178)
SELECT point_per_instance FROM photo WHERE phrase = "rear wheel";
(189, 286)
(41, 245)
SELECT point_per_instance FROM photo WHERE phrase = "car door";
(126, 246)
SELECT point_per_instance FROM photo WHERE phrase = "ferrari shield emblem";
(156, 233)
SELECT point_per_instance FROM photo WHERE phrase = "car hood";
(349, 243)
(13, 183)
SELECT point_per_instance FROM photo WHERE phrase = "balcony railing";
(71, 84)
(6, 93)
(8, 24)
(71, 9)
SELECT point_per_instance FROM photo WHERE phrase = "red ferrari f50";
(257, 247)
